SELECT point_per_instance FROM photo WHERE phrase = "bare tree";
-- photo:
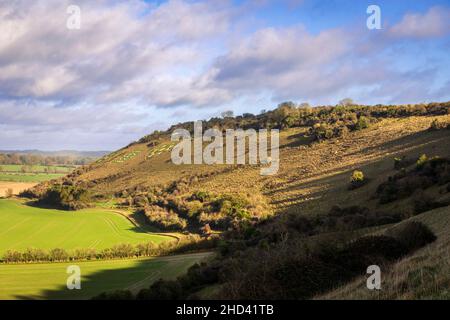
(346, 102)
(304, 105)
(227, 114)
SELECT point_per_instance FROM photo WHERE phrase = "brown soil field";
(17, 187)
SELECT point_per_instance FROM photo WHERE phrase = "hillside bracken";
(348, 174)
(289, 273)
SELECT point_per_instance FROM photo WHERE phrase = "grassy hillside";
(23, 227)
(48, 281)
(423, 275)
(275, 228)
(312, 177)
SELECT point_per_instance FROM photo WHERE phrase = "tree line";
(324, 121)
(191, 243)
(36, 159)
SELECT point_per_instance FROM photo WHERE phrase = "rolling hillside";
(278, 220)
(312, 177)
(24, 227)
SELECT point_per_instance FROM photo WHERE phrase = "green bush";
(201, 196)
(420, 163)
(67, 197)
(362, 123)
(357, 180)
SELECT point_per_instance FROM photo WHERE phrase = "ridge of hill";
(309, 201)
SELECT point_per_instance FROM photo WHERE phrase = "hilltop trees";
(346, 102)
(346, 116)
(227, 114)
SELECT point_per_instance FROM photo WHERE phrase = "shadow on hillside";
(413, 141)
(297, 140)
(331, 187)
(140, 275)
(143, 225)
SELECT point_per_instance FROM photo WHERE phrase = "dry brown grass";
(310, 179)
(313, 178)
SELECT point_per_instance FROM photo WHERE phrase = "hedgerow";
(119, 251)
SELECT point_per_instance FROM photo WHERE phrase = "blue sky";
(136, 66)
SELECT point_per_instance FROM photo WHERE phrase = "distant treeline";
(35, 159)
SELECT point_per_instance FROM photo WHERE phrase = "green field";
(29, 177)
(48, 281)
(24, 226)
(35, 173)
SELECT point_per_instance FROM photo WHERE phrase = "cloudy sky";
(135, 66)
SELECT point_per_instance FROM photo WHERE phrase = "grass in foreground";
(24, 226)
(48, 281)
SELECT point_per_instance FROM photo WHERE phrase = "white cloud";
(118, 44)
(434, 23)
(116, 77)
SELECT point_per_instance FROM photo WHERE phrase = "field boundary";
(167, 257)
(170, 235)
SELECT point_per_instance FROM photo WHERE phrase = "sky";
(135, 66)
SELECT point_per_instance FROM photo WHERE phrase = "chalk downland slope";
(312, 179)
(422, 275)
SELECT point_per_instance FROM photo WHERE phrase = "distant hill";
(39, 157)
(60, 153)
